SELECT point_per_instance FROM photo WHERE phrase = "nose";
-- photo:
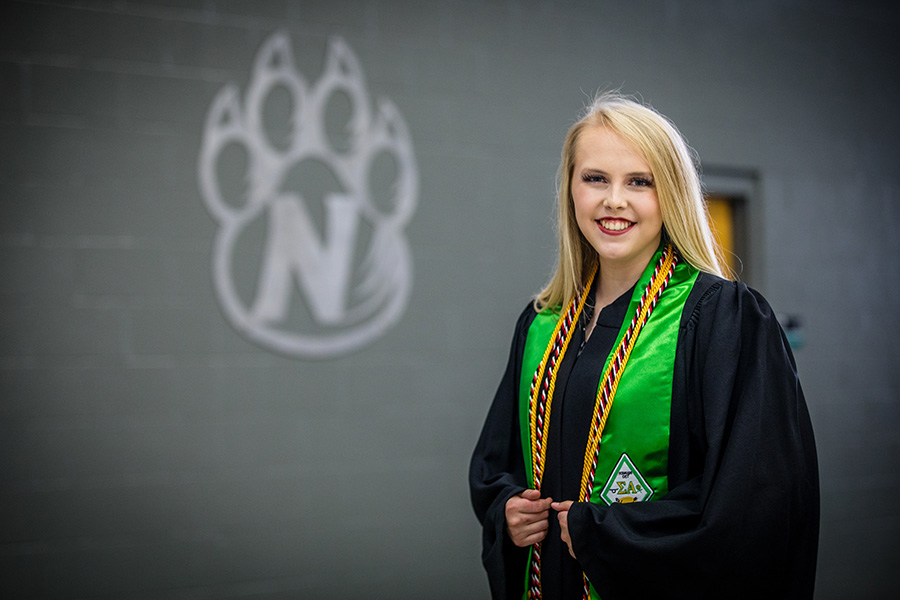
(615, 198)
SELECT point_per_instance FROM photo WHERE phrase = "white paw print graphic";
(348, 265)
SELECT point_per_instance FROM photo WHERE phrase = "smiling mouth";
(614, 225)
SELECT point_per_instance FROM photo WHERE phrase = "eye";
(593, 178)
(642, 182)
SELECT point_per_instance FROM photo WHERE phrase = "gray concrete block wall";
(147, 450)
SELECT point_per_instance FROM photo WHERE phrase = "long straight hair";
(675, 176)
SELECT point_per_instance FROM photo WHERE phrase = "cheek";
(658, 211)
(583, 221)
(651, 209)
(582, 208)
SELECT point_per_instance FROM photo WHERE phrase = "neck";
(611, 287)
(614, 279)
(612, 282)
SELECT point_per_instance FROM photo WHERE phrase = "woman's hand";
(527, 518)
(562, 509)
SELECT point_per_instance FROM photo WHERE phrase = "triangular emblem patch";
(625, 484)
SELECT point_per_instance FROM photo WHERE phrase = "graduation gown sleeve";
(741, 517)
(497, 472)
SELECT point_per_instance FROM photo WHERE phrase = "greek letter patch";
(625, 484)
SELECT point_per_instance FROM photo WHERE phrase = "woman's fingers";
(529, 532)
(562, 509)
(516, 519)
(527, 517)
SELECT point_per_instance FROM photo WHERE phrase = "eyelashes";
(641, 182)
(589, 178)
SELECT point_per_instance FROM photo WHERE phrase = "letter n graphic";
(322, 267)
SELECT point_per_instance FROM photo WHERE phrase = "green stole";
(633, 459)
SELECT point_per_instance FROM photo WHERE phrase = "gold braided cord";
(596, 431)
(562, 353)
(598, 422)
(538, 465)
(538, 459)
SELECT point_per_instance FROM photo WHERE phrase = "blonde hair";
(677, 181)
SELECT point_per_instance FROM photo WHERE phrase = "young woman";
(649, 438)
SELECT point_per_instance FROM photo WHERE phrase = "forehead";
(599, 144)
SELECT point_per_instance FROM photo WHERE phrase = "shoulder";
(524, 321)
(529, 315)
(713, 297)
(526, 317)
(728, 318)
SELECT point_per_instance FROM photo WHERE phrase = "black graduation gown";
(741, 518)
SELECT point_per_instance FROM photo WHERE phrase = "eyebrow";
(646, 174)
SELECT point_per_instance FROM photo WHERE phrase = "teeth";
(615, 225)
